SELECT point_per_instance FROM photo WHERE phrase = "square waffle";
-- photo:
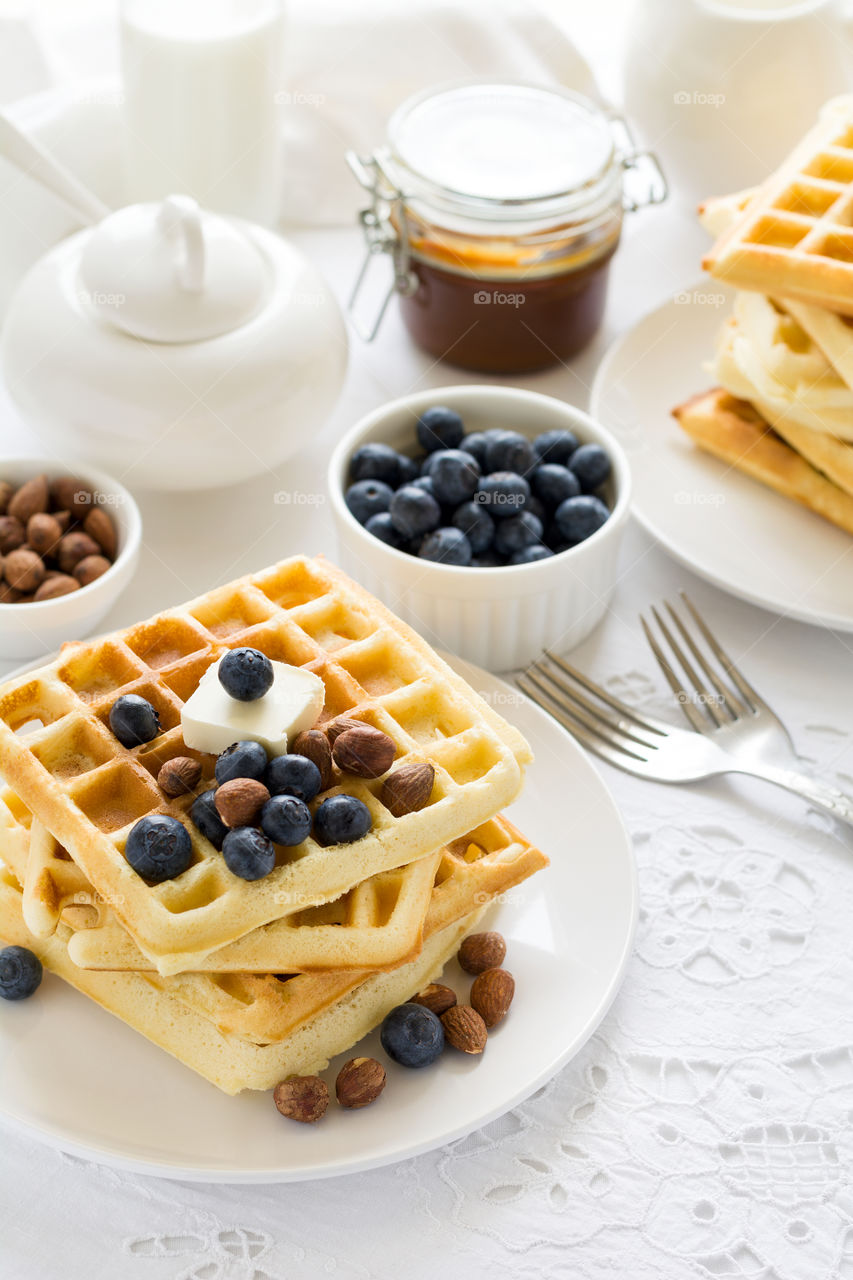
(794, 237)
(244, 1030)
(59, 756)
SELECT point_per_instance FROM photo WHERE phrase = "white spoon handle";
(34, 160)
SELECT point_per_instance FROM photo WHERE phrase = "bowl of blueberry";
(488, 517)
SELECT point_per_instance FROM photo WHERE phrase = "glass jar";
(501, 206)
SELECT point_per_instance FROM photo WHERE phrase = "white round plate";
(726, 527)
(73, 1076)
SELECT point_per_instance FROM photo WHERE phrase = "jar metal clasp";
(644, 180)
(385, 232)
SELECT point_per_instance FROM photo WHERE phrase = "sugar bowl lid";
(172, 272)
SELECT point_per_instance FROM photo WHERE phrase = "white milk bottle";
(200, 81)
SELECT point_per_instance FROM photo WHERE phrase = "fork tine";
(616, 756)
(699, 723)
(705, 697)
(613, 724)
(753, 699)
(629, 713)
(563, 700)
(729, 700)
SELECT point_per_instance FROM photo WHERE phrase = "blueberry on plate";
(509, 451)
(412, 1035)
(245, 759)
(133, 720)
(248, 853)
(246, 674)
(503, 494)
(367, 498)
(454, 475)
(439, 428)
(374, 461)
(382, 527)
(286, 820)
(578, 518)
(472, 519)
(20, 973)
(293, 775)
(552, 484)
(513, 535)
(409, 469)
(205, 815)
(414, 512)
(555, 446)
(591, 465)
(158, 847)
(341, 819)
(528, 555)
(446, 546)
(475, 444)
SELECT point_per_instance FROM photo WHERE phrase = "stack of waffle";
(783, 410)
(250, 982)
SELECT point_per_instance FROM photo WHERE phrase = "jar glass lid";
(501, 142)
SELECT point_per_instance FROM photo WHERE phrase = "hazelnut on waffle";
(58, 755)
(794, 238)
(243, 1030)
(735, 431)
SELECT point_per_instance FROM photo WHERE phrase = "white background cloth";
(707, 1129)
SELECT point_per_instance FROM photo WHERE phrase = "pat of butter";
(211, 719)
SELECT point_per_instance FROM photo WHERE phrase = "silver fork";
(734, 729)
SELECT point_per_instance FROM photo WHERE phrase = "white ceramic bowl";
(499, 618)
(30, 630)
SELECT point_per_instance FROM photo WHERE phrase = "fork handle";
(830, 799)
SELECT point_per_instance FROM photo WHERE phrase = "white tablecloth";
(706, 1130)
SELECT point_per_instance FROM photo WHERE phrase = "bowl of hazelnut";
(69, 545)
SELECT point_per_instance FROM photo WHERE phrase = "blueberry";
(552, 484)
(591, 465)
(446, 546)
(246, 674)
(20, 973)
(527, 555)
(367, 498)
(241, 760)
(133, 720)
(425, 482)
(382, 528)
(158, 847)
(475, 444)
(455, 476)
(472, 519)
(286, 820)
(412, 1035)
(248, 853)
(341, 819)
(293, 775)
(535, 507)
(578, 518)
(206, 817)
(414, 512)
(509, 451)
(376, 462)
(555, 446)
(513, 535)
(439, 428)
(488, 560)
(409, 469)
(503, 494)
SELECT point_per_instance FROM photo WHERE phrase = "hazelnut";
(23, 569)
(90, 568)
(70, 494)
(74, 547)
(12, 534)
(302, 1098)
(315, 745)
(179, 775)
(100, 527)
(6, 491)
(55, 585)
(8, 595)
(239, 801)
(31, 498)
(408, 788)
(364, 751)
(360, 1082)
(43, 532)
(481, 951)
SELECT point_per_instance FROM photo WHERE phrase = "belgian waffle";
(795, 236)
(735, 431)
(59, 756)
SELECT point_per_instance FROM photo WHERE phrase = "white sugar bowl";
(178, 348)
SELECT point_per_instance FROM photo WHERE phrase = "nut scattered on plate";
(480, 951)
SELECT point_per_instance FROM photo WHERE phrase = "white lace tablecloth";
(707, 1128)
